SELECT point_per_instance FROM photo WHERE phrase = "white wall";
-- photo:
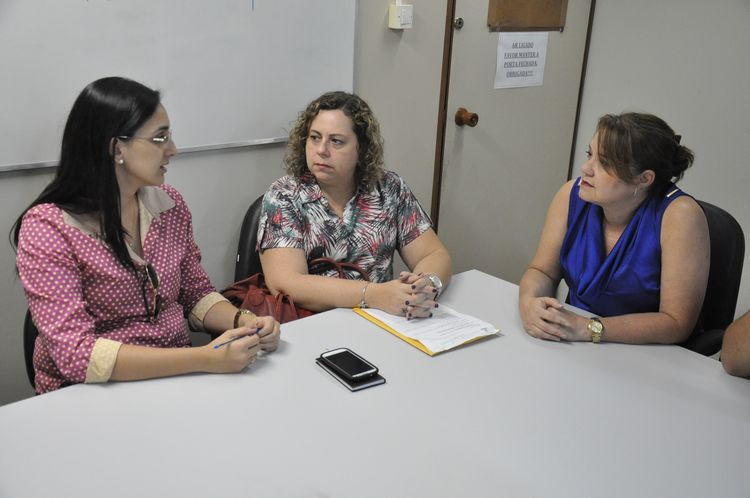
(685, 61)
(218, 187)
(398, 73)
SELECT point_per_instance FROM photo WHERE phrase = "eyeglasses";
(160, 140)
(153, 307)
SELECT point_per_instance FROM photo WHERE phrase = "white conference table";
(508, 416)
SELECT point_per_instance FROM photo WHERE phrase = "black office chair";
(248, 261)
(727, 257)
(29, 338)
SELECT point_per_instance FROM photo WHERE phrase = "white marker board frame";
(231, 72)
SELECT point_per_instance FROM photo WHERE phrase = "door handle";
(464, 117)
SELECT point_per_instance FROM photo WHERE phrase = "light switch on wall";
(400, 16)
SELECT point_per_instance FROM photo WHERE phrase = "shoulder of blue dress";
(673, 191)
(660, 203)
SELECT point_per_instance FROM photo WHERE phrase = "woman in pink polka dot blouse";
(108, 261)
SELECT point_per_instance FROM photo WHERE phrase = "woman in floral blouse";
(338, 201)
(107, 258)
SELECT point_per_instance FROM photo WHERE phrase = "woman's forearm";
(535, 283)
(437, 262)
(319, 293)
(220, 318)
(644, 328)
(143, 362)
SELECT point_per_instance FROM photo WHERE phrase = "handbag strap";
(279, 314)
(319, 265)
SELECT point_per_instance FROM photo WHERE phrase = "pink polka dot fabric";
(78, 291)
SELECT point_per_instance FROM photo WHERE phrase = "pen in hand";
(217, 346)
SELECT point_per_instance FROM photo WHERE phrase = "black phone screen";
(348, 363)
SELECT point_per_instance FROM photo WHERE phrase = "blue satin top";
(628, 279)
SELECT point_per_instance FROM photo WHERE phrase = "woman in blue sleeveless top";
(632, 248)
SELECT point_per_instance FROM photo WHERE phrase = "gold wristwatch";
(240, 312)
(596, 328)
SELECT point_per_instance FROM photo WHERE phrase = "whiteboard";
(230, 71)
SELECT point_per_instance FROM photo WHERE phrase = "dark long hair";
(85, 181)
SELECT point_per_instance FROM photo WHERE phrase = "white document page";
(446, 328)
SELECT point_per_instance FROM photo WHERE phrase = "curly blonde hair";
(370, 167)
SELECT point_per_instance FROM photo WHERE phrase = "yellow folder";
(411, 341)
(393, 331)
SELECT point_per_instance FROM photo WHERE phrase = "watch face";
(596, 326)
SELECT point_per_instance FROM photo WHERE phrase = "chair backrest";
(727, 257)
(248, 261)
(29, 339)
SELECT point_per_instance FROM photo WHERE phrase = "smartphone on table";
(349, 364)
(350, 369)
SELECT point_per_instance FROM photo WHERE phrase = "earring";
(121, 162)
(635, 192)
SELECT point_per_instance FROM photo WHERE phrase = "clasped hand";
(545, 318)
(410, 295)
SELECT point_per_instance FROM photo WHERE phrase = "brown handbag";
(253, 294)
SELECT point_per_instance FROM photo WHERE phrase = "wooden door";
(499, 177)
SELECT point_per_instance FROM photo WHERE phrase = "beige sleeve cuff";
(102, 361)
(198, 313)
